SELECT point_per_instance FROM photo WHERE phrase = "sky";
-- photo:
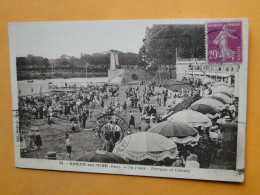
(52, 39)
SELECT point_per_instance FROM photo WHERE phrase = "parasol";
(177, 131)
(204, 109)
(220, 97)
(210, 102)
(192, 118)
(221, 83)
(146, 145)
(34, 128)
(102, 157)
(222, 89)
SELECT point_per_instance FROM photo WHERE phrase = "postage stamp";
(224, 42)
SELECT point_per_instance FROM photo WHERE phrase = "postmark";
(224, 42)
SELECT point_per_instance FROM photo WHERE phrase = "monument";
(113, 71)
(113, 60)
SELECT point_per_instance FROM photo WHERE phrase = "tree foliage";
(31, 60)
(98, 59)
(73, 62)
(161, 41)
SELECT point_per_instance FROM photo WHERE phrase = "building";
(200, 68)
(192, 68)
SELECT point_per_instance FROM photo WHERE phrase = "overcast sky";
(52, 39)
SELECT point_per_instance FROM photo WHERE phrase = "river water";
(32, 88)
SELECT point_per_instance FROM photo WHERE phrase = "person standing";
(117, 131)
(38, 139)
(232, 110)
(135, 102)
(32, 139)
(158, 100)
(41, 111)
(84, 118)
(108, 144)
(124, 107)
(22, 142)
(205, 151)
(111, 131)
(147, 98)
(132, 120)
(140, 108)
(164, 99)
(35, 112)
(68, 145)
(87, 113)
(102, 103)
(90, 114)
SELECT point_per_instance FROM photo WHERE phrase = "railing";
(210, 72)
(191, 60)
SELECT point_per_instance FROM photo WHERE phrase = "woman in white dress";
(23, 142)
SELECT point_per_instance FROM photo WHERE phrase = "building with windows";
(191, 68)
(199, 68)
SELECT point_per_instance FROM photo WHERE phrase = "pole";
(144, 41)
(159, 70)
(52, 70)
(86, 71)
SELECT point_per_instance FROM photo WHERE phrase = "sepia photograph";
(161, 98)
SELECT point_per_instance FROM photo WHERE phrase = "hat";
(228, 119)
(153, 117)
(147, 118)
(34, 128)
(51, 155)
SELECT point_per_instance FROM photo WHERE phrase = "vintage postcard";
(160, 98)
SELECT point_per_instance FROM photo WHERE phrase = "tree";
(45, 62)
(21, 62)
(161, 41)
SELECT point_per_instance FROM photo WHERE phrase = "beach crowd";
(76, 105)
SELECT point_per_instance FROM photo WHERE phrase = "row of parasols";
(159, 142)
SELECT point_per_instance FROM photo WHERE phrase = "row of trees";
(31, 60)
(98, 59)
(71, 61)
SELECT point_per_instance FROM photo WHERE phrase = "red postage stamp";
(224, 42)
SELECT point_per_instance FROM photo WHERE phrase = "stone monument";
(113, 60)
(113, 71)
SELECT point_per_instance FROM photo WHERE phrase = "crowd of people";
(74, 106)
(77, 104)
(217, 142)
